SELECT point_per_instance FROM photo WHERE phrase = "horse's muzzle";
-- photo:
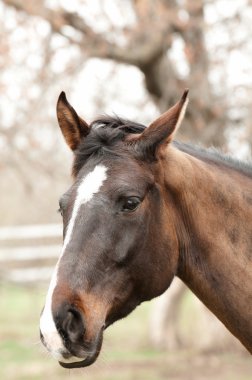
(90, 359)
(71, 343)
(89, 351)
(72, 327)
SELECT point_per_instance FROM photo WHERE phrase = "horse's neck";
(215, 207)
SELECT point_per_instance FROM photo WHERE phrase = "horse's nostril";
(73, 326)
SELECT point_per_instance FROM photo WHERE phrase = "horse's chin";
(88, 358)
(80, 364)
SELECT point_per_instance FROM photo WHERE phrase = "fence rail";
(30, 232)
(28, 253)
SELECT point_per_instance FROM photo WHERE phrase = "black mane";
(216, 156)
(106, 132)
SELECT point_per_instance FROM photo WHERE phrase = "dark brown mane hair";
(215, 156)
(104, 135)
(107, 131)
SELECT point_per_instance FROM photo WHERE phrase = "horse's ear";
(162, 130)
(72, 126)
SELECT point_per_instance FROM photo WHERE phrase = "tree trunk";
(203, 331)
(164, 327)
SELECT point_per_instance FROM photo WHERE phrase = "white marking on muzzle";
(89, 186)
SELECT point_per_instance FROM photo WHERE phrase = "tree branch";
(140, 50)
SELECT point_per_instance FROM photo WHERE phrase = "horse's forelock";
(104, 136)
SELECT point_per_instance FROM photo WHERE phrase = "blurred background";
(132, 58)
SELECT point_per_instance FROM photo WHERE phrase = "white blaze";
(89, 186)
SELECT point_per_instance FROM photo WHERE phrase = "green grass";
(126, 353)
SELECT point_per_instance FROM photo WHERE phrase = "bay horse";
(142, 209)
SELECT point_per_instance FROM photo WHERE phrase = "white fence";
(29, 253)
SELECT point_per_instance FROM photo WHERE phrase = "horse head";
(120, 245)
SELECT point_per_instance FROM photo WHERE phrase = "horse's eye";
(131, 203)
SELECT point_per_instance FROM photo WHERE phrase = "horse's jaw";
(86, 356)
(80, 364)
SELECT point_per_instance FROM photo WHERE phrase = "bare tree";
(146, 45)
(146, 42)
